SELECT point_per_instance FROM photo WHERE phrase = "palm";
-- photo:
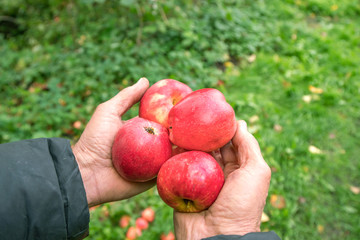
(99, 135)
(238, 208)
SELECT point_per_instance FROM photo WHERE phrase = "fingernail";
(142, 79)
(243, 125)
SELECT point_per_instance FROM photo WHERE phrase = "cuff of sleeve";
(72, 189)
(250, 236)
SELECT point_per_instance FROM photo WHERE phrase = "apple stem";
(187, 202)
(150, 130)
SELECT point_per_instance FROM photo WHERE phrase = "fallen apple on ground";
(148, 214)
(160, 98)
(124, 221)
(132, 233)
(190, 181)
(141, 223)
(140, 148)
(203, 120)
(169, 236)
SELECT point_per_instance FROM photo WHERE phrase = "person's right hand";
(93, 150)
(239, 206)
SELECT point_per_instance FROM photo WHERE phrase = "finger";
(229, 157)
(247, 147)
(217, 155)
(116, 188)
(136, 188)
(125, 121)
(228, 154)
(127, 97)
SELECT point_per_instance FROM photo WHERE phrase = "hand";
(239, 206)
(93, 150)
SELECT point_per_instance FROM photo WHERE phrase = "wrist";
(191, 226)
(235, 228)
(87, 175)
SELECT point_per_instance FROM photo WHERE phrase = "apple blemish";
(150, 130)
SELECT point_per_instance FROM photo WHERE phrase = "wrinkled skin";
(93, 150)
(241, 201)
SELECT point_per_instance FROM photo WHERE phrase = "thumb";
(246, 145)
(127, 97)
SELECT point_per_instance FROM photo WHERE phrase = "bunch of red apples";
(172, 139)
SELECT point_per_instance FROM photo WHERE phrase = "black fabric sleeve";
(250, 236)
(41, 191)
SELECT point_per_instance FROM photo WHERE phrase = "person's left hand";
(238, 208)
(93, 150)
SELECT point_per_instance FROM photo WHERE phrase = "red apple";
(141, 223)
(124, 221)
(140, 148)
(148, 214)
(203, 120)
(160, 98)
(190, 181)
(170, 236)
(132, 233)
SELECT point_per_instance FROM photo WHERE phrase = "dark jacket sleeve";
(41, 191)
(250, 236)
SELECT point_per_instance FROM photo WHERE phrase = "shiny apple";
(140, 148)
(203, 120)
(160, 98)
(190, 181)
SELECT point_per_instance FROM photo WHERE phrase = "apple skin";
(124, 221)
(160, 98)
(148, 214)
(203, 120)
(141, 223)
(169, 236)
(133, 232)
(190, 181)
(140, 148)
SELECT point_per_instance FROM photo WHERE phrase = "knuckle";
(265, 170)
(101, 107)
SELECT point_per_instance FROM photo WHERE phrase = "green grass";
(64, 58)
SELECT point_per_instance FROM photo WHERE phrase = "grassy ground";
(289, 68)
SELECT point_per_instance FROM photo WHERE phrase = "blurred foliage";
(60, 59)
